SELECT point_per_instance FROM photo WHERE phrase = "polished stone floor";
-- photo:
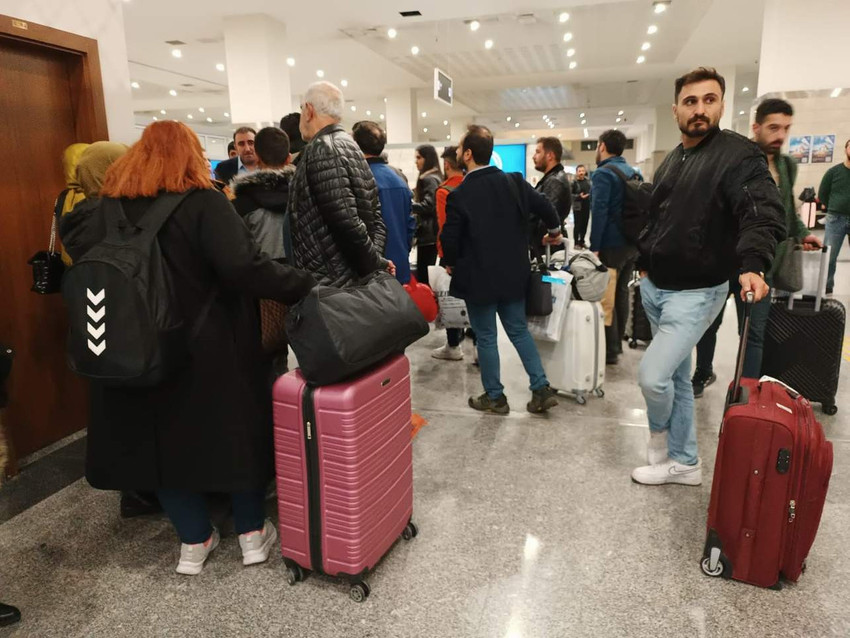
(529, 528)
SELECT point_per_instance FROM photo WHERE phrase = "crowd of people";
(309, 203)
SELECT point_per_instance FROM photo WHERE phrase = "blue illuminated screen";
(509, 157)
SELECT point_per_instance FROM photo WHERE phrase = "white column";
(667, 133)
(257, 74)
(804, 46)
(729, 74)
(401, 116)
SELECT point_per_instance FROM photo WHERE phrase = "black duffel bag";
(337, 333)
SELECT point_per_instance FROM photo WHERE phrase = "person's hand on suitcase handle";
(811, 242)
(753, 282)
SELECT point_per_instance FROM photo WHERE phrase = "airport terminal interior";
(529, 525)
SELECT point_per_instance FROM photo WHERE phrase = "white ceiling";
(525, 75)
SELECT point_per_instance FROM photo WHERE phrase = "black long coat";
(209, 428)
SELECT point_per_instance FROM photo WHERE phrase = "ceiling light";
(560, 135)
(190, 116)
(618, 120)
(425, 130)
(508, 118)
(290, 61)
(368, 112)
(201, 109)
(474, 25)
(320, 74)
(155, 118)
(641, 59)
(227, 115)
(584, 121)
(746, 89)
(353, 108)
(652, 29)
(414, 50)
(172, 93)
(343, 83)
(741, 112)
(516, 125)
(563, 17)
(209, 119)
(488, 44)
(586, 134)
(619, 112)
(568, 36)
(571, 52)
(177, 53)
(660, 6)
(581, 114)
(533, 135)
(616, 128)
(424, 114)
(545, 117)
(573, 64)
(448, 137)
(391, 33)
(646, 46)
(135, 85)
(835, 93)
(381, 116)
(219, 67)
(162, 112)
(445, 122)
(385, 100)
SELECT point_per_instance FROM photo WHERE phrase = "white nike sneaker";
(256, 546)
(448, 353)
(193, 557)
(656, 449)
(669, 471)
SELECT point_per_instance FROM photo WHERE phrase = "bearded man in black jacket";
(715, 213)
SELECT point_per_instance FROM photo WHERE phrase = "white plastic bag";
(549, 328)
(452, 312)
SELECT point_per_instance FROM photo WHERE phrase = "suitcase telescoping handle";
(742, 349)
(822, 273)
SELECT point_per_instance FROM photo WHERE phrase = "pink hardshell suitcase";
(344, 472)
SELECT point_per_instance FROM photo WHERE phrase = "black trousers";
(425, 256)
(581, 214)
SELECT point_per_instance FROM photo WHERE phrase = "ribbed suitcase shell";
(803, 348)
(771, 476)
(364, 486)
(576, 363)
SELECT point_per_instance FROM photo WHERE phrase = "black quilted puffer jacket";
(338, 233)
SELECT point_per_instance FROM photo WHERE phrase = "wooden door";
(46, 103)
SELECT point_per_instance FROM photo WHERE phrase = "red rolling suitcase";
(770, 480)
(344, 471)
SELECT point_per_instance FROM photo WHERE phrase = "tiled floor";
(529, 528)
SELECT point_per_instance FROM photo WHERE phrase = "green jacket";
(787, 169)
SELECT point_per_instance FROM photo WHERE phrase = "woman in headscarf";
(94, 161)
(73, 193)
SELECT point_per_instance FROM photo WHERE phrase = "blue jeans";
(837, 228)
(678, 318)
(512, 314)
(755, 340)
(190, 515)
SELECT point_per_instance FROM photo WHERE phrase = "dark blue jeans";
(512, 314)
(190, 515)
(755, 340)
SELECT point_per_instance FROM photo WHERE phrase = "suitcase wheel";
(359, 592)
(829, 409)
(708, 571)
(599, 392)
(716, 564)
(294, 574)
(410, 532)
(581, 399)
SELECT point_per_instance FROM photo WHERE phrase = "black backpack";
(125, 327)
(637, 195)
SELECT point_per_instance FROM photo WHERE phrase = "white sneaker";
(669, 471)
(448, 353)
(656, 449)
(193, 557)
(257, 545)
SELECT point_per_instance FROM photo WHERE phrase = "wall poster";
(823, 147)
(800, 148)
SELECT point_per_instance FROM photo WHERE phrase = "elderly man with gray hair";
(336, 227)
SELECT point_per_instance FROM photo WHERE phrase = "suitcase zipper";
(311, 458)
(794, 504)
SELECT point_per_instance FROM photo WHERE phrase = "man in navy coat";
(485, 243)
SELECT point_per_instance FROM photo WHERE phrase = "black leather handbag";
(337, 333)
(47, 266)
(538, 297)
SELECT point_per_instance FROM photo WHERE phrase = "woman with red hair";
(208, 428)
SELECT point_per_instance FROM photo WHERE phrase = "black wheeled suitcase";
(639, 327)
(803, 344)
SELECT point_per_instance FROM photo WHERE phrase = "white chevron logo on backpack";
(96, 316)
